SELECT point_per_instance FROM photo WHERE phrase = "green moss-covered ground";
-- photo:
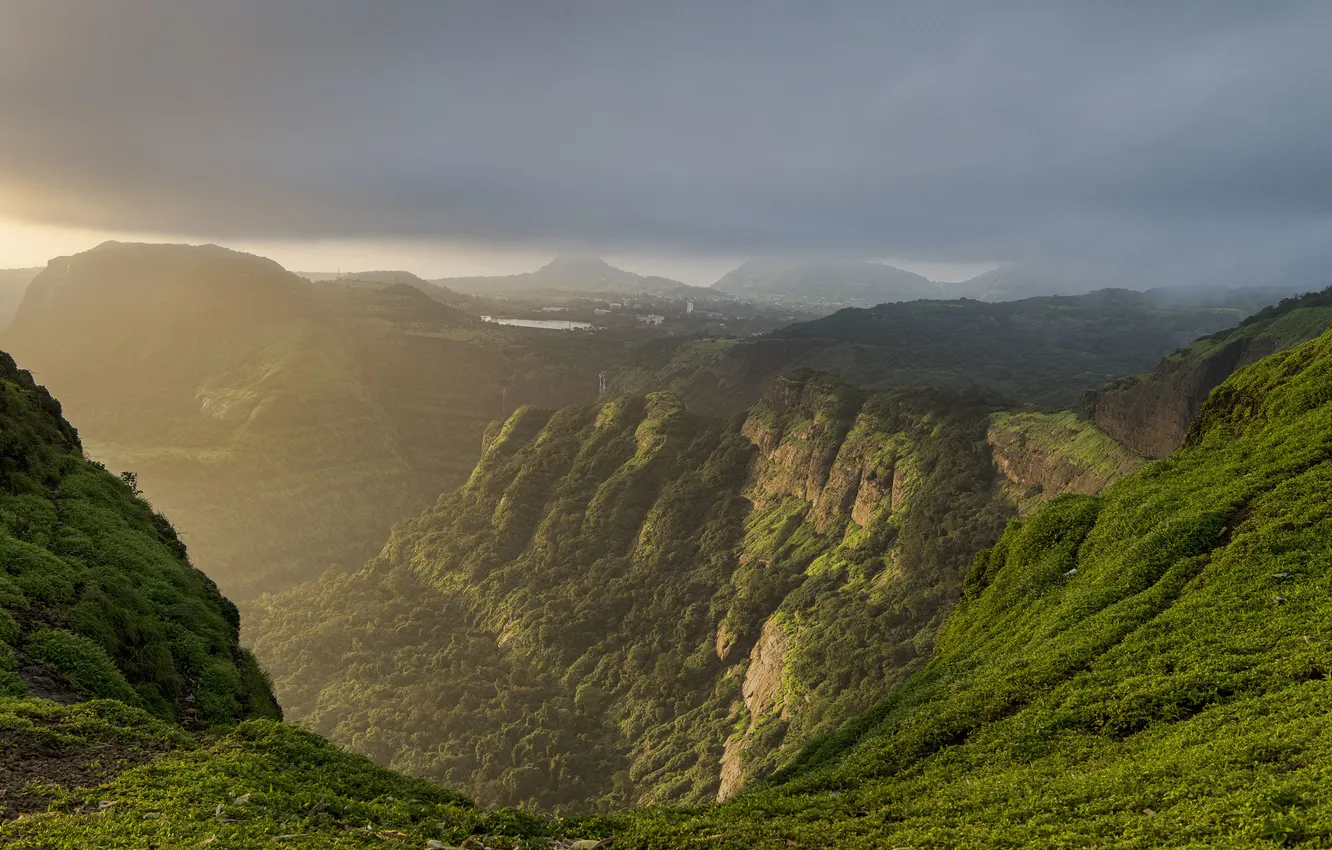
(138, 782)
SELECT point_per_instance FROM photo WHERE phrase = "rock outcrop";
(761, 692)
(1150, 414)
(822, 445)
(1047, 455)
(687, 601)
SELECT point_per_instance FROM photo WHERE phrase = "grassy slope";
(1170, 692)
(259, 784)
(1287, 324)
(1150, 412)
(100, 608)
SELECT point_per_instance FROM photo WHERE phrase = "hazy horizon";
(452, 139)
(24, 245)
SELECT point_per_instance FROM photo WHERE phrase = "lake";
(548, 324)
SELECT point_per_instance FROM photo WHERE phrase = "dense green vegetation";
(1040, 351)
(285, 426)
(627, 602)
(97, 598)
(1145, 668)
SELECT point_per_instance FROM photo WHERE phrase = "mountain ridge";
(572, 273)
(1151, 413)
(286, 425)
(833, 280)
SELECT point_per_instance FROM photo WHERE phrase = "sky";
(675, 137)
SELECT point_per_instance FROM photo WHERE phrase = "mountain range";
(804, 282)
(286, 425)
(900, 618)
(831, 280)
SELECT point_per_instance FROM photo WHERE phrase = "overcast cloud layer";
(1193, 133)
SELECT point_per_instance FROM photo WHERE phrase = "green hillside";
(1146, 668)
(101, 774)
(1143, 668)
(129, 714)
(629, 603)
(823, 613)
(97, 598)
(1041, 351)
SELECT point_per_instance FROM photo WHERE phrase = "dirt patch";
(46, 683)
(25, 760)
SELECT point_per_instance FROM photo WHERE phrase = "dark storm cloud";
(1144, 131)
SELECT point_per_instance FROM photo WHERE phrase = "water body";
(548, 324)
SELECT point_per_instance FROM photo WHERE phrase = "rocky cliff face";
(1150, 415)
(761, 693)
(826, 448)
(1046, 455)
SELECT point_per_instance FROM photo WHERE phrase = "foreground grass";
(259, 785)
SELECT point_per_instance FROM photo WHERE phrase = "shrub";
(85, 663)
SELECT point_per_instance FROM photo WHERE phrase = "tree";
(131, 480)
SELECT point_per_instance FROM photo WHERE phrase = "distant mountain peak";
(386, 276)
(830, 278)
(581, 265)
(570, 273)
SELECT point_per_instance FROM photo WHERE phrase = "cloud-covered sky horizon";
(1189, 137)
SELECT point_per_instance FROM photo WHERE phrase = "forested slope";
(628, 602)
(1041, 351)
(1143, 668)
(129, 714)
